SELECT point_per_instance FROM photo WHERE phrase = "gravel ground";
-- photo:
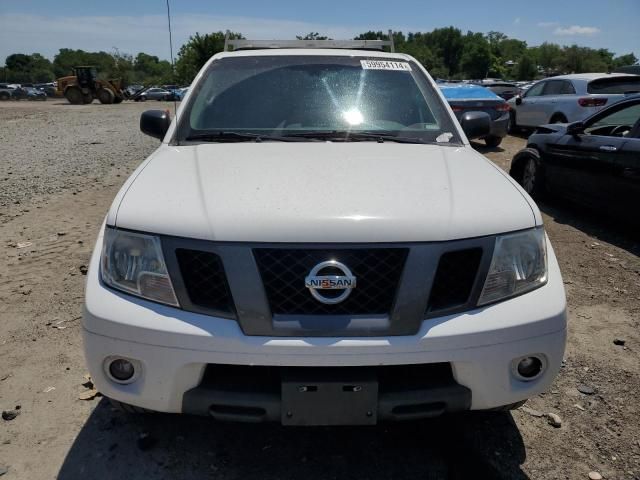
(62, 165)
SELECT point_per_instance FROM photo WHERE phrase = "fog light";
(529, 367)
(121, 369)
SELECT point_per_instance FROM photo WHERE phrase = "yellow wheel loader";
(84, 86)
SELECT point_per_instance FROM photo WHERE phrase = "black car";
(595, 162)
(504, 90)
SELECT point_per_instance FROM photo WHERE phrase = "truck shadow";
(598, 225)
(110, 446)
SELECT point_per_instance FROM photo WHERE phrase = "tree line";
(446, 52)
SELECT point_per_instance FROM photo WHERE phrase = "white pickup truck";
(315, 242)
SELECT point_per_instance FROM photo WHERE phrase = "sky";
(131, 26)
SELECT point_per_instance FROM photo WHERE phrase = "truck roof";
(340, 52)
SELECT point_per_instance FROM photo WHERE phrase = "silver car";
(569, 98)
(155, 94)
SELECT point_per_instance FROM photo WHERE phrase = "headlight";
(519, 265)
(133, 263)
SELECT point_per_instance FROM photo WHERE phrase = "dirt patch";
(61, 167)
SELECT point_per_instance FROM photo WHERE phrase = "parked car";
(5, 91)
(465, 97)
(33, 93)
(315, 242)
(132, 89)
(48, 88)
(569, 98)
(523, 87)
(174, 94)
(155, 93)
(595, 161)
(504, 90)
(27, 93)
(182, 92)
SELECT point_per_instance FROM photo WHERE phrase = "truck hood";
(321, 192)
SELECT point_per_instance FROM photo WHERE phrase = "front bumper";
(174, 347)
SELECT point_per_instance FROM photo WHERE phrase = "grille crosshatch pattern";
(205, 280)
(377, 271)
(454, 279)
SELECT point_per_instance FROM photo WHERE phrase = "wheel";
(558, 118)
(512, 127)
(125, 407)
(87, 98)
(105, 96)
(4, 96)
(74, 95)
(526, 169)
(493, 141)
(118, 100)
(143, 98)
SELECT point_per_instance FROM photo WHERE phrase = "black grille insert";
(391, 378)
(454, 279)
(205, 281)
(377, 271)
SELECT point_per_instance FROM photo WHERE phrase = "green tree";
(625, 60)
(149, 69)
(67, 58)
(313, 36)
(576, 59)
(495, 39)
(512, 49)
(197, 51)
(23, 68)
(547, 55)
(476, 56)
(448, 44)
(526, 68)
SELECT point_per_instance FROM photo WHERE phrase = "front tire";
(74, 96)
(492, 141)
(105, 96)
(527, 171)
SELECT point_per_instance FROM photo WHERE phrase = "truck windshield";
(292, 95)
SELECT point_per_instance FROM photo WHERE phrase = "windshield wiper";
(224, 136)
(359, 136)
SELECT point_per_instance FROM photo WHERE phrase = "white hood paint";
(321, 192)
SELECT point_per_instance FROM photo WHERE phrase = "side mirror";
(476, 124)
(155, 123)
(575, 128)
(518, 100)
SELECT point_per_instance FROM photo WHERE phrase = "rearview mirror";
(476, 124)
(575, 128)
(518, 100)
(155, 123)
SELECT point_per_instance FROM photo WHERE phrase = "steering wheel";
(620, 130)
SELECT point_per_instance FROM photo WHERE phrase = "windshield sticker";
(385, 65)
(444, 138)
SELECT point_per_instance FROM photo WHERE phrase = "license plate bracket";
(329, 397)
